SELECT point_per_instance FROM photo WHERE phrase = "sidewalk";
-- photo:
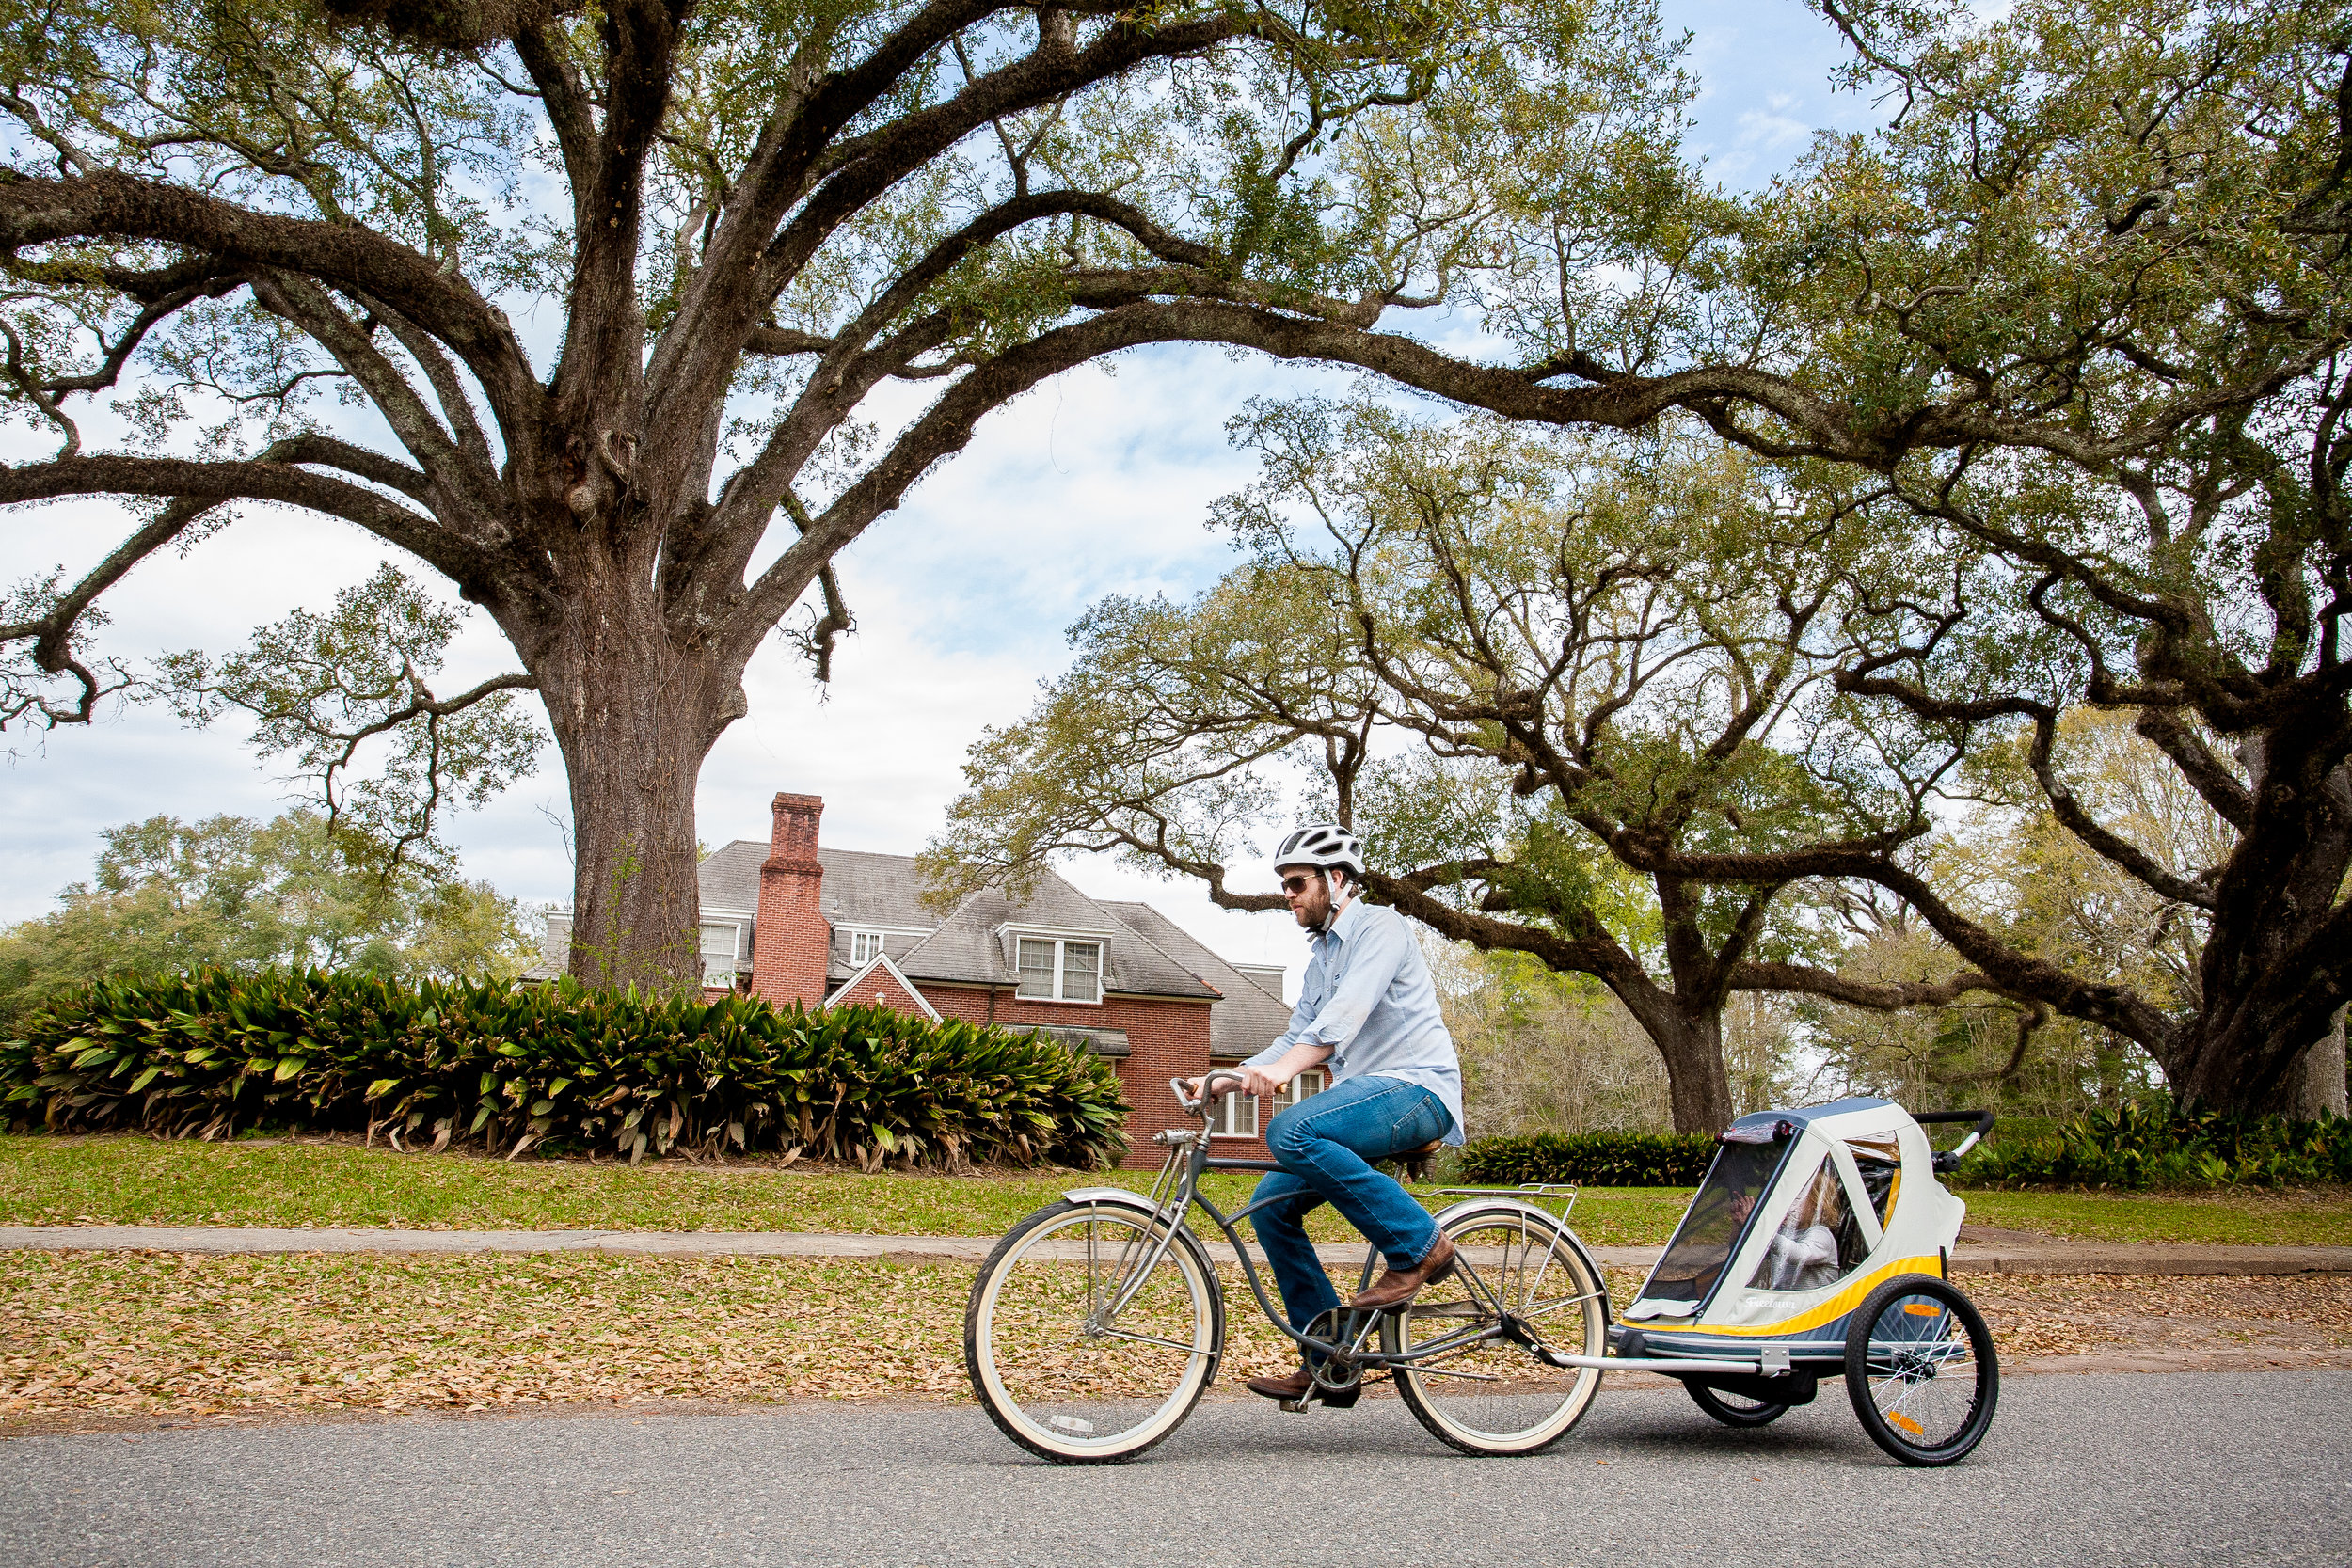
(1981, 1250)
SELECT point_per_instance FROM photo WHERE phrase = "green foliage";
(2151, 1143)
(1596, 1159)
(169, 896)
(450, 1062)
(320, 688)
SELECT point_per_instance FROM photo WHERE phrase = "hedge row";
(1595, 1159)
(435, 1064)
(2151, 1143)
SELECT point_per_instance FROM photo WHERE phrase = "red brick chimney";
(792, 941)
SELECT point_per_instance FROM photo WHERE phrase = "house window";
(1053, 969)
(865, 946)
(1234, 1116)
(1300, 1088)
(719, 954)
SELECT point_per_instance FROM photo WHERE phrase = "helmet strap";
(1343, 890)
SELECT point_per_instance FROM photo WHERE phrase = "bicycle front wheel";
(1091, 1333)
(1476, 1386)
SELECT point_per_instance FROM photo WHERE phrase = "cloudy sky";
(1093, 485)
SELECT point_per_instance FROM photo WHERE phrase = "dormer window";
(721, 941)
(1057, 969)
(865, 946)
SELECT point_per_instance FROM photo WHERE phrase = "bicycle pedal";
(1297, 1406)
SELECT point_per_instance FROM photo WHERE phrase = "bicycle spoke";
(1468, 1381)
(1058, 1377)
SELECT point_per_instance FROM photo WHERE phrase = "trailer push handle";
(1949, 1159)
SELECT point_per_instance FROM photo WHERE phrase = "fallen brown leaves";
(2034, 1316)
(140, 1334)
(147, 1333)
(144, 1333)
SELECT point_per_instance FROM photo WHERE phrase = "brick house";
(823, 927)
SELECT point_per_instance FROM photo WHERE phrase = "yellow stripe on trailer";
(1831, 1310)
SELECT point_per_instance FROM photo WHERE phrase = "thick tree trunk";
(2277, 965)
(635, 714)
(1690, 1039)
(1697, 1086)
(2316, 1086)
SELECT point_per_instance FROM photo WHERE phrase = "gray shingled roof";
(872, 890)
(862, 889)
(729, 874)
(1146, 953)
(968, 948)
(1249, 1019)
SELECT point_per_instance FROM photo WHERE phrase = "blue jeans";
(1324, 1143)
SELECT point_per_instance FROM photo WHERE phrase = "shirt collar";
(1343, 927)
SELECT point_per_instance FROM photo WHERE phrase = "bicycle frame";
(1177, 1189)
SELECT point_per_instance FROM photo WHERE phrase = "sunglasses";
(1300, 884)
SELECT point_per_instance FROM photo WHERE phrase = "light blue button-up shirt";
(1368, 996)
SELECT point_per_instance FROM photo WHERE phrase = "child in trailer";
(1803, 1252)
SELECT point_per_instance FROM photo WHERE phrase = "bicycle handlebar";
(1176, 1087)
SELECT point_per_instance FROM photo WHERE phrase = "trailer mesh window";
(1711, 1232)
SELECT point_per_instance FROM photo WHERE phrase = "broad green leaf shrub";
(2151, 1143)
(1595, 1159)
(435, 1063)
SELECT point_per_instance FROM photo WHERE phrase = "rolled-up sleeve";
(1369, 1002)
(1302, 1018)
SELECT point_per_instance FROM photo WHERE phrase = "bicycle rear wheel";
(1480, 1390)
(1083, 1348)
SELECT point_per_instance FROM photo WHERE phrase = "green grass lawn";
(2239, 1216)
(136, 1180)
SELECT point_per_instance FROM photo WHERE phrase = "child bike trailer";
(1819, 1241)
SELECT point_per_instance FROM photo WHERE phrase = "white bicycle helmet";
(1323, 846)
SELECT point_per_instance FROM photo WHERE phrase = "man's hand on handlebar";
(1233, 1080)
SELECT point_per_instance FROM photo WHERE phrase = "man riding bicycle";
(1368, 1013)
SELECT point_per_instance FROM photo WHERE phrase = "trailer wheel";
(1733, 1409)
(1921, 1372)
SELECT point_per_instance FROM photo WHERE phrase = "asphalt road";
(2171, 1468)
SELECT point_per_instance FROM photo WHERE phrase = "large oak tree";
(750, 214)
(2093, 233)
(2070, 329)
(1523, 668)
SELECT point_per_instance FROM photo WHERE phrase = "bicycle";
(1098, 1322)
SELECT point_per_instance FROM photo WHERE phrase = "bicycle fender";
(1116, 1197)
(1568, 1238)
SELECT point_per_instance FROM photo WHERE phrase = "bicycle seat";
(1416, 1161)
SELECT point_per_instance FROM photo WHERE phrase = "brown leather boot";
(1296, 1390)
(1398, 1286)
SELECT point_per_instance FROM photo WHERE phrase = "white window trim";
(735, 965)
(1288, 1095)
(1061, 943)
(1223, 1119)
(881, 961)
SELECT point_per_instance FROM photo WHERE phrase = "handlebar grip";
(1176, 1087)
(1949, 1159)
